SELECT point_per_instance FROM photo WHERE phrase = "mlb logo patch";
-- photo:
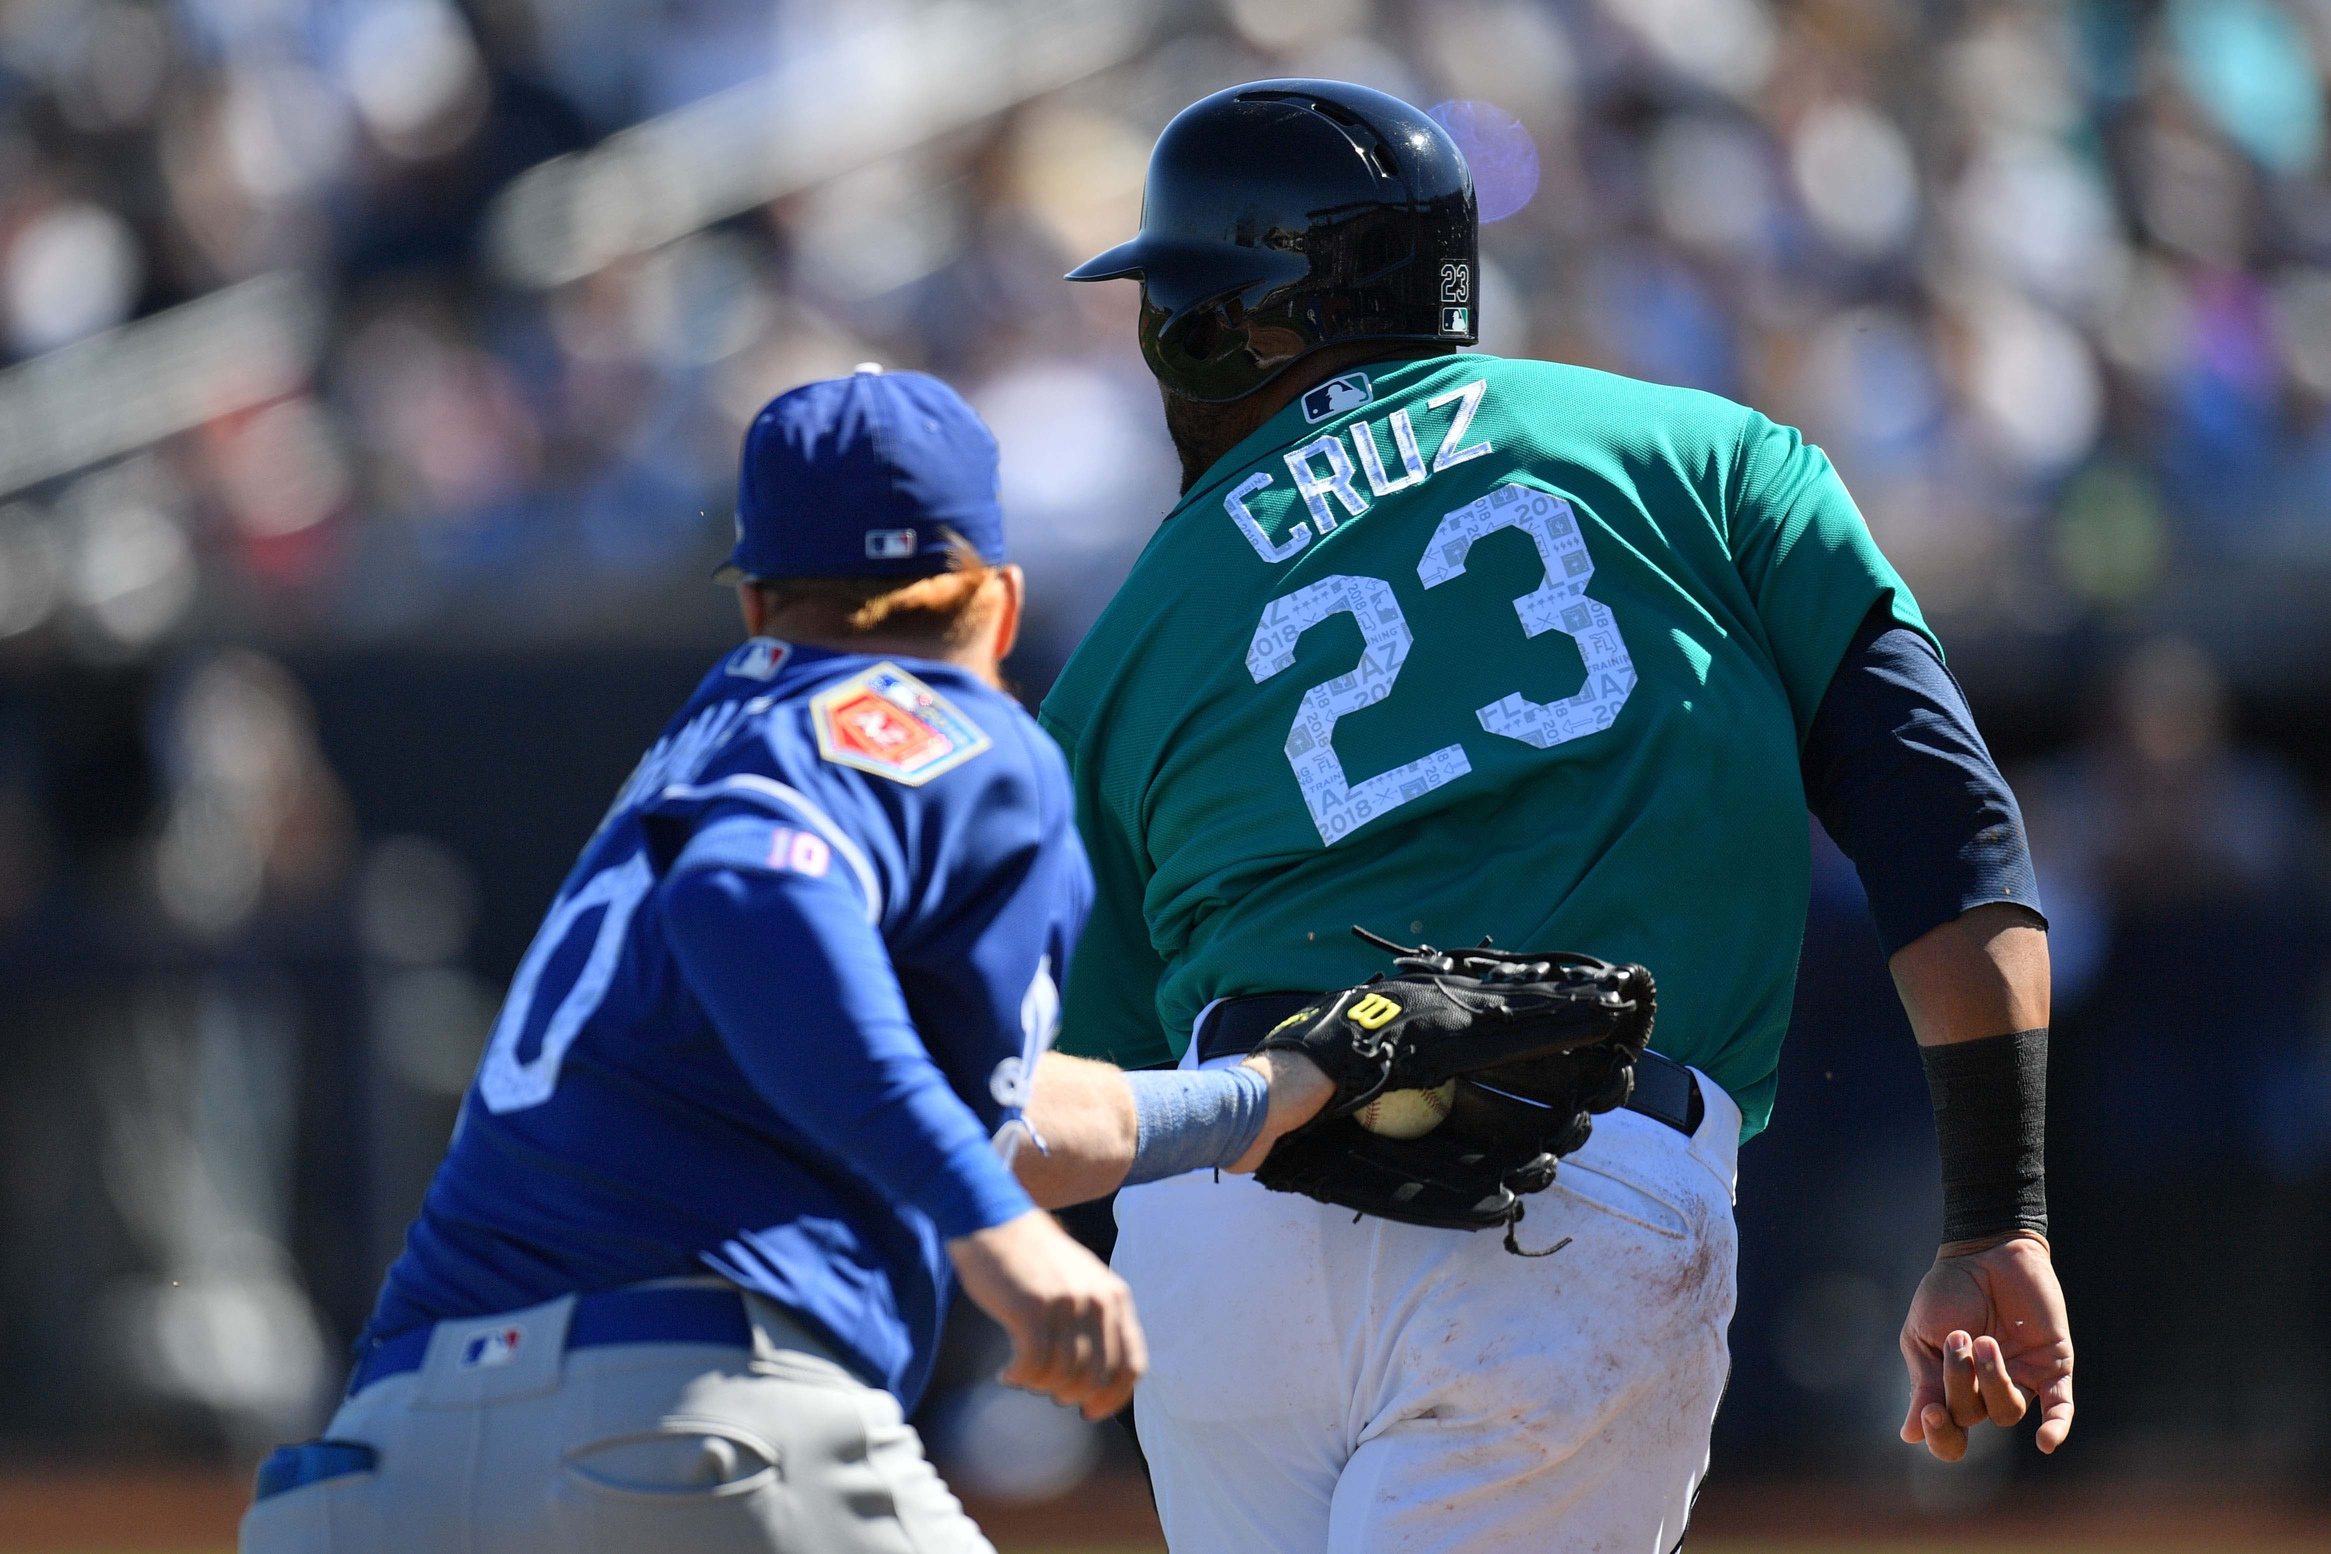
(491, 1350)
(1337, 395)
(1456, 321)
(887, 722)
(759, 659)
(890, 544)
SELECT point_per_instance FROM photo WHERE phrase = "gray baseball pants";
(634, 1448)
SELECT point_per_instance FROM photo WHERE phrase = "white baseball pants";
(1320, 1385)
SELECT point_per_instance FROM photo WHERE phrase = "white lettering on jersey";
(505, 1083)
(681, 755)
(1014, 1078)
(1325, 472)
(1235, 505)
(1372, 462)
(1339, 805)
(1315, 488)
(1468, 400)
(799, 852)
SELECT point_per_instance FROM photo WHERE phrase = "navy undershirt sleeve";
(1901, 780)
(802, 991)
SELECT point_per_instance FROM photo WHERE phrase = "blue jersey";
(796, 983)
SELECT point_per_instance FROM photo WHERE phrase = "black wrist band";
(1990, 1116)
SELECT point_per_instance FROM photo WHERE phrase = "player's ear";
(754, 606)
(1013, 584)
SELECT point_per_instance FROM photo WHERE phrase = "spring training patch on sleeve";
(885, 721)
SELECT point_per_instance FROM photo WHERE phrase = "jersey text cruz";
(1326, 473)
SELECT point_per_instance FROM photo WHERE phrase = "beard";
(1203, 433)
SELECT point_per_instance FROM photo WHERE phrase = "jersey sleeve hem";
(967, 1195)
(1901, 610)
(1837, 587)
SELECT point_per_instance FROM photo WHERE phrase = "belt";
(1665, 1090)
(677, 1315)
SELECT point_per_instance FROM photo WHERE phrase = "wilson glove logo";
(1372, 1013)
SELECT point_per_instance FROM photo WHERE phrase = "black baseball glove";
(1535, 1044)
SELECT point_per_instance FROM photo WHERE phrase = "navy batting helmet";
(1283, 216)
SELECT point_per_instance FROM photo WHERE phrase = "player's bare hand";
(1987, 1335)
(1299, 1090)
(1075, 1337)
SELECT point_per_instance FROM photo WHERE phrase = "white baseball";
(1408, 1114)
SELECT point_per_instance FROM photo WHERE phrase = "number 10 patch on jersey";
(887, 722)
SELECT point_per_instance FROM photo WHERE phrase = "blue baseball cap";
(870, 475)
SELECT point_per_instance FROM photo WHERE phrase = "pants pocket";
(680, 1459)
(1629, 1195)
(703, 1486)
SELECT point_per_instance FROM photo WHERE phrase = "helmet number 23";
(1340, 806)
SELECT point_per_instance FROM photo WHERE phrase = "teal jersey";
(1463, 647)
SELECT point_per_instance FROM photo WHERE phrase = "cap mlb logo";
(1337, 395)
(488, 1351)
(890, 544)
(1456, 321)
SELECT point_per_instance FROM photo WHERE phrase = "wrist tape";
(1188, 1120)
(1990, 1116)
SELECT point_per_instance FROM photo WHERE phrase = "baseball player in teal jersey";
(1453, 647)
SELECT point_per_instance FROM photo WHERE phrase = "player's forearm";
(1103, 1128)
(1976, 990)
(1083, 1114)
(1983, 973)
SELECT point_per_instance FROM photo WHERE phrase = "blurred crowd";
(335, 334)
(2052, 281)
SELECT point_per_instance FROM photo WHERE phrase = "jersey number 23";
(1338, 804)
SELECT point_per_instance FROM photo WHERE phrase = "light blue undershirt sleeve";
(1194, 1120)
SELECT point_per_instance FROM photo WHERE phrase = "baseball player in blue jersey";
(765, 1072)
